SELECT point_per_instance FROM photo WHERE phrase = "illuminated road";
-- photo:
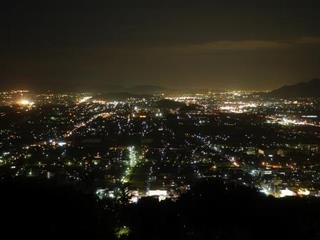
(130, 164)
(84, 124)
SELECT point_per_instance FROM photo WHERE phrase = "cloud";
(207, 47)
(241, 45)
(248, 45)
(308, 40)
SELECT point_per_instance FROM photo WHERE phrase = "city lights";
(152, 120)
(151, 148)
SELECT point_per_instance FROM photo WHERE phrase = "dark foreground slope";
(36, 209)
(211, 210)
(216, 211)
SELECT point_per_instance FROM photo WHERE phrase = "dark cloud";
(246, 44)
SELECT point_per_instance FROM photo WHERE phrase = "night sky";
(197, 44)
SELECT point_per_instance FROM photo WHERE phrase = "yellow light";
(122, 232)
(236, 164)
(25, 102)
(84, 99)
(303, 192)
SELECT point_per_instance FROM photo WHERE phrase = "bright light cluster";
(289, 122)
(84, 99)
(161, 194)
(25, 102)
(285, 192)
(239, 107)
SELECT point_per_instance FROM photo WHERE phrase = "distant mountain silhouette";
(146, 89)
(304, 89)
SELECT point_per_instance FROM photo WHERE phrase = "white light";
(111, 194)
(161, 194)
(265, 191)
(310, 116)
(61, 144)
(134, 199)
(287, 193)
(156, 192)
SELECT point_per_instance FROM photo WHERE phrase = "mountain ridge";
(302, 89)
